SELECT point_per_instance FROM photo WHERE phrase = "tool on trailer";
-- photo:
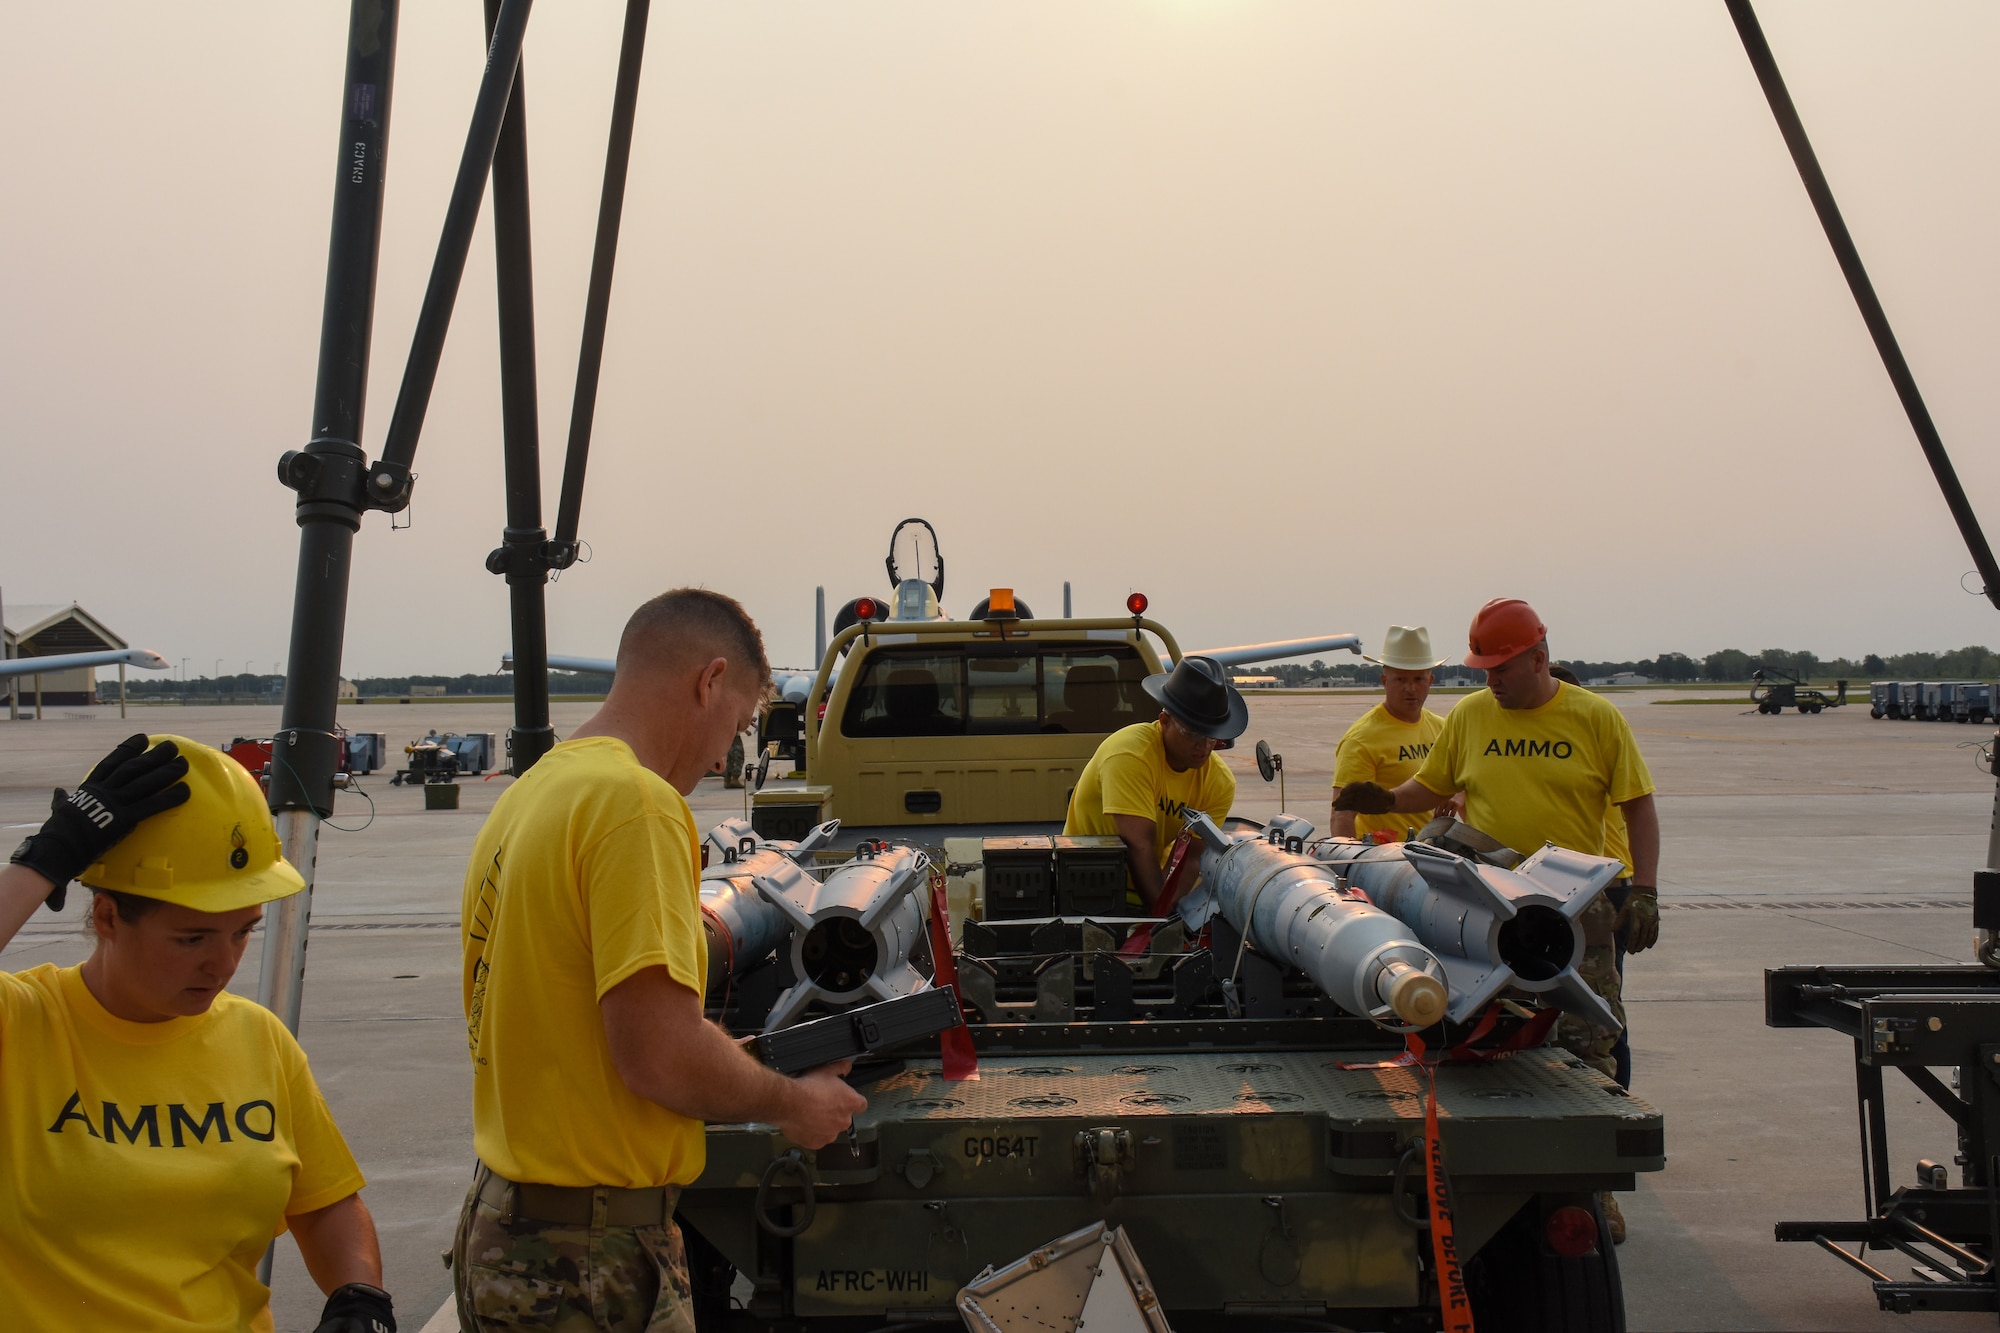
(872, 1029)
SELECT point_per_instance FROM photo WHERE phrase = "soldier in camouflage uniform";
(631, 1279)
(1617, 923)
(1594, 1045)
(585, 967)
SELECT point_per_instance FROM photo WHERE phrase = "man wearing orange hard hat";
(1540, 762)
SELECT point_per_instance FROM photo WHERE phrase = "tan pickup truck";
(961, 722)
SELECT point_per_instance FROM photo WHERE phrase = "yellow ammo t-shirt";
(144, 1167)
(586, 871)
(1382, 749)
(1129, 776)
(1616, 841)
(1538, 775)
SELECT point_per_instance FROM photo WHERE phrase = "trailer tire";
(1519, 1285)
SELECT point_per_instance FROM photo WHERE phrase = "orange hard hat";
(1505, 628)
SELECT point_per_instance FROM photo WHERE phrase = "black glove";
(357, 1308)
(1365, 798)
(129, 784)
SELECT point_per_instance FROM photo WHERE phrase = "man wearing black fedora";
(1144, 779)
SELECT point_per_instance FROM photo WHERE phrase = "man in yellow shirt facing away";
(1144, 779)
(1540, 761)
(593, 1067)
(1388, 743)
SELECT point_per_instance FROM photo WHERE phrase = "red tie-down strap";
(1182, 863)
(961, 1061)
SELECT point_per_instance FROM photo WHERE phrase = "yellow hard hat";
(217, 852)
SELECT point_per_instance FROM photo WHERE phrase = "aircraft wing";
(1244, 653)
(792, 686)
(144, 658)
(600, 665)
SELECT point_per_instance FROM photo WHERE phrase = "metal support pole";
(526, 554)
(1872, 314)
(327, 476)
(603, 259)
(389, 479)
(1877, 1184)
(819, 626)
(1066, 612)
(121, 690)
(38, 696)
(13, 682)
(520, 555)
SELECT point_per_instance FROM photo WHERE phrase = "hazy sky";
(1300, 316)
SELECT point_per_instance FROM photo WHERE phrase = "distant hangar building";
(43, 631)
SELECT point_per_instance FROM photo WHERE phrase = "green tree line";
(1729, 665)
(254, 686)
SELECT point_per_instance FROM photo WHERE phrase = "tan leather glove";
(1640, 918)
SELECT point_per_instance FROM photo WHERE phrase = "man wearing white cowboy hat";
(1144, 779)
(1388, 743)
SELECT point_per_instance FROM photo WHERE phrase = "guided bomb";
(1295, 909)
(1490, 928)
(850, 935)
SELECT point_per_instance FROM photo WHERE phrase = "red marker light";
(865, 608)
(1137, 603)
(1571, 1232)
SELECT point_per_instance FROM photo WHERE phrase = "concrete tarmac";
(1793, 839)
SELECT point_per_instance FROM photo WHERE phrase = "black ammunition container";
(1090, 876)
(1020, 877)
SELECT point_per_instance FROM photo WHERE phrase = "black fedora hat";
(1198, 693)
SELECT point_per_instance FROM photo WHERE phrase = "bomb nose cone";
(1418, 998)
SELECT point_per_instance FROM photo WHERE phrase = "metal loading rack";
(1914, 1019)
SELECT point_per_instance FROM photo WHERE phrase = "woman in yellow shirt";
(156, 1132)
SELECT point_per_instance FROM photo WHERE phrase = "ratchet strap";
(961, 1060)
(1454, 1306)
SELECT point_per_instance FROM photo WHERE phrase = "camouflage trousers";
(570, 1279)
(1599, 969)
(732, 770)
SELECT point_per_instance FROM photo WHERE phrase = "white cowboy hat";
(1406, 648)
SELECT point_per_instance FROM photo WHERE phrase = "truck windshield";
(998, 690)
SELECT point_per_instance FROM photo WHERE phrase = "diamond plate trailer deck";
(1305, 1179)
